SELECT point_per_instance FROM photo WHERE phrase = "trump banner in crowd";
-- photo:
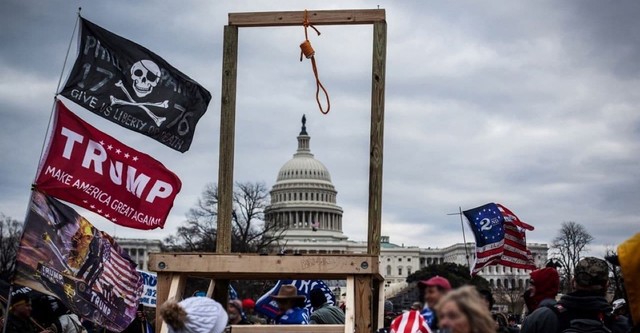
(131, 86)
(63, 255)
(95, 171)
(150, 283)
(267, 305)
(500, 238)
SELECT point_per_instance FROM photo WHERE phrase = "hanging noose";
(307, 50)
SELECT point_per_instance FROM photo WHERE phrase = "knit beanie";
(194, 315)
(547, 283)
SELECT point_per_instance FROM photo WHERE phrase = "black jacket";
(579, 305)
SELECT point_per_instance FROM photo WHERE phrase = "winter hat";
(547, 284)
(591, 271)
(194, 315)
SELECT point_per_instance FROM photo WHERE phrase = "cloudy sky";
(531, 105)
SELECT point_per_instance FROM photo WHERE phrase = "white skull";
(145, 75)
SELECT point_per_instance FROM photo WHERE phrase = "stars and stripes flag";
(410, 322)
(63, 255)
(500, 238)
(116, 275)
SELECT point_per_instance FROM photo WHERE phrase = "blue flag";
(487, 223)
(267, 306)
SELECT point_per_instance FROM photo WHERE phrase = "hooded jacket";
(581, 304)
(547, 285)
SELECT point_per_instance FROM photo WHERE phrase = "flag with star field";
(498, 240)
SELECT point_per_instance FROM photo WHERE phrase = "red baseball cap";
(437, 281)
(248, 303)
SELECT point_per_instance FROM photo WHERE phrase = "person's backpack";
(572, 322)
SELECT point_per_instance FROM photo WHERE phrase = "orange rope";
(307, 50)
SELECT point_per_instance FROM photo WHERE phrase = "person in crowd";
(487, 297)
(236, 315)
(248, 306)
(323, 311)
(139, 323)
(586, 307)
(629, 261)
(194, 315)
(19, 319)
(544, 286)
(463, 311)
(513, 325)
(291, 306)
(410, 321)
(432, 291)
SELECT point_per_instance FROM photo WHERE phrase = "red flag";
(93, 170)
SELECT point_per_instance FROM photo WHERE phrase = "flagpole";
(53, 107)
(464, 238)
(75, 26)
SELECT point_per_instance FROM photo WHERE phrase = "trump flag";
(500, 238)
(133, 87)
(61, 254)
(95, 171)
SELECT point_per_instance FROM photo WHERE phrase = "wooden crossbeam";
(287, 328)
(316, 17)
(253, 266)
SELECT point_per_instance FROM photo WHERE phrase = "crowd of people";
(468, 310)
(441, 309)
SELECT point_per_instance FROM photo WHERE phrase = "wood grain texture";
(227, 139)
(170, 286)
(316, 17)
(350, 305)
(363, 311)
(287, 328)
(253, 266)
(376, 136)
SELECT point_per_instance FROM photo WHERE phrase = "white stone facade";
(304, 201)
(139, 249)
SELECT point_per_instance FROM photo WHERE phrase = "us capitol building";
(305, 208)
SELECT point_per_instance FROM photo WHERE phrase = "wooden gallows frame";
(364, 304)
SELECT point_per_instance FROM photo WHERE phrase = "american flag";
(119, 277)
(409, 322)
(500, 238)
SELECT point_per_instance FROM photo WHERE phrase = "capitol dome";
(303, 199)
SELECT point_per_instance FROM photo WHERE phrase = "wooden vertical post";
(227, 139)
(377, 136)
(176, 288)
(368, 298)
(363, 309)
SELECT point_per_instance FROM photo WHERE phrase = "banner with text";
(92, 169)
(129, 85)
(61, 254)
(150, 283)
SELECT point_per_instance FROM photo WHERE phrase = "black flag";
(129, 85)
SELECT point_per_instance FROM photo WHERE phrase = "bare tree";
(616, 283)
(571, 242)
(510, 294)
(250, 233)
(10, 232)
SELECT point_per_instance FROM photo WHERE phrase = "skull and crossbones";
(145, 75)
